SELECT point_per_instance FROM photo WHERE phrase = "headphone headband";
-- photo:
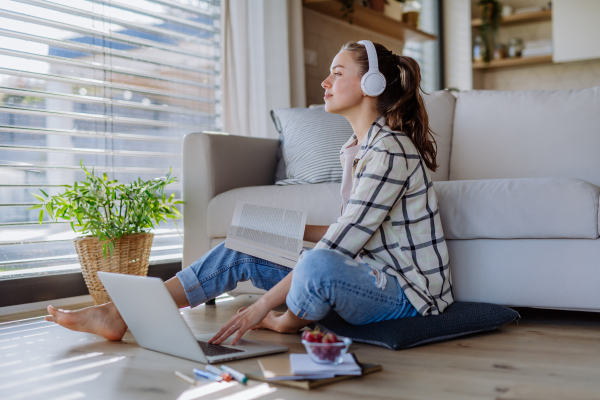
(371, 55)
(373, 82)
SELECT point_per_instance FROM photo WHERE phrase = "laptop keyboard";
(216, 350)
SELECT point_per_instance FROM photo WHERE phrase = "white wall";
(575, 30)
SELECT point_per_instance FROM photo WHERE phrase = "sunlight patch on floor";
(250, 394)
(205, 390)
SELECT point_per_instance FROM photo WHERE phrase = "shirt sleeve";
(381, 184)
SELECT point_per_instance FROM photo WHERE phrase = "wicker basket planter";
(130, 256)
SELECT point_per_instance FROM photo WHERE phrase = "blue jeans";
(323, 280)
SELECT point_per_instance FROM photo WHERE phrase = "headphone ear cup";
(373, 83)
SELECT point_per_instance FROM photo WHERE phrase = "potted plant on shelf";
(348, 10)
(491, 13)
(114, 219)
(377, 5)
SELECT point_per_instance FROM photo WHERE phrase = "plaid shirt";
(392, 219)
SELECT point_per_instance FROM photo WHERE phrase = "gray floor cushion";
(460, 318)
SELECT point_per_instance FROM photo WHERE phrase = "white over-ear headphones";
(373, 82)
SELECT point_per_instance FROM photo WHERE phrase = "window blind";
(116, 84)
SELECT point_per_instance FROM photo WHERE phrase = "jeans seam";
(237, 262)
(368, 293)
(191, 288)
(302, 311)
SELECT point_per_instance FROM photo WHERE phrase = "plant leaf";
(40, 198)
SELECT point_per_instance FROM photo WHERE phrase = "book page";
(277, 229)
(260, 252)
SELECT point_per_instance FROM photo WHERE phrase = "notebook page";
(302, 364)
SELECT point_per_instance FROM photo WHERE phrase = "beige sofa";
(518, 188)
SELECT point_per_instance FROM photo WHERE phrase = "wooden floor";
(546, 355)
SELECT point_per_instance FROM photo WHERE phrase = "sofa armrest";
(213, 164)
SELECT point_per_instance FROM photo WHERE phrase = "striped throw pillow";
(311, 140)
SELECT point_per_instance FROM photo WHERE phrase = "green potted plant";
(491, 13)
(348, 10)
(114, 220)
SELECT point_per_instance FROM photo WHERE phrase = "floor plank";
(548, 354)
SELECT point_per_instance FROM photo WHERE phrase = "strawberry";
(315, 336)
(330, 338)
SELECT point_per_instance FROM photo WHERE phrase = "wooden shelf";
(372, 20)
(536, 16)
(513, 62)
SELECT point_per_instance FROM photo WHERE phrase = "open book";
(271, 233)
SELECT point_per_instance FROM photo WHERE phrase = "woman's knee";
(216, 257)
(322, 264)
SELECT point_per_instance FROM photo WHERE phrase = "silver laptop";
(154, 320)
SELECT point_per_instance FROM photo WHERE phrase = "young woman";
(386, 255)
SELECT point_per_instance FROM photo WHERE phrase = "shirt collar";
(348, 143)
(376, 126)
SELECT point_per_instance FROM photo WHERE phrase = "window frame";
(442, 64)
(36, 288)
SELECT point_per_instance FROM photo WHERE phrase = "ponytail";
(401, 102)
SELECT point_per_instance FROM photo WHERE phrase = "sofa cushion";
(322, 201)
(311, 140)
(526, 134)
(281, 174)
(479, 209)
(518, 208)
(440, 110)
(294, 123)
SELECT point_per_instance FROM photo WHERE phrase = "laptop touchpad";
(216, 350)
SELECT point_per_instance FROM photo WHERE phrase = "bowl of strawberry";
(325, 347)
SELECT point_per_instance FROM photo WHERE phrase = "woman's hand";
(245, 319)
(248, 317)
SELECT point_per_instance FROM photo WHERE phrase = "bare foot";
(286, 322)
(103, 320)
(270, 322)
